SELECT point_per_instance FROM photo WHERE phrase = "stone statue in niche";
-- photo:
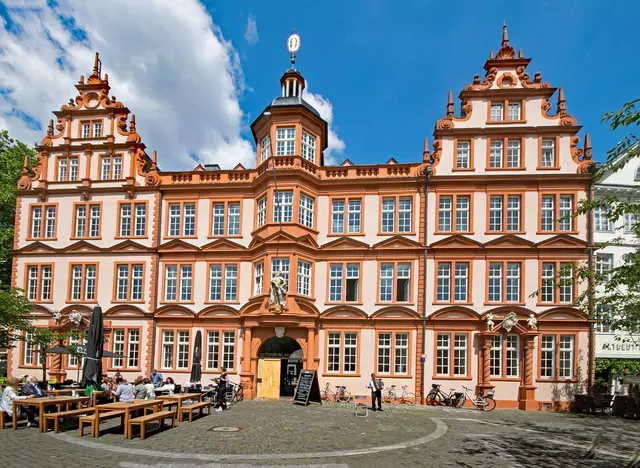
(490, 323)
(509, 321)
(278, 292)
(532, 322)
(279, 332)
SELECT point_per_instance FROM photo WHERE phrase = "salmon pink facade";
(380, 278)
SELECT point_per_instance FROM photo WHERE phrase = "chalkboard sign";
(308, 389)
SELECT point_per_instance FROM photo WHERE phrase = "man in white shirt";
(376, 386)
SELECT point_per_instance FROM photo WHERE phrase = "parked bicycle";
(340, 395)
(437, 397)
(235, 393)
(405, 398)
(480, 401)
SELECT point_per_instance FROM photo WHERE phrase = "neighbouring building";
(618, 240)
(371, 265)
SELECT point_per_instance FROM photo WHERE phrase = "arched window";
(637, 176)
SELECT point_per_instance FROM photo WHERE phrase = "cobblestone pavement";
(279, 434)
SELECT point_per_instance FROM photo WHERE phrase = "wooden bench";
(61, 415)
(95, 422)
(169, 404)
(3, 419)
(105, 394)
(143, 420)
(196, 406)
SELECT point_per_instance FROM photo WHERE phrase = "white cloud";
(335, 145)
(251, 33)
(171, 66)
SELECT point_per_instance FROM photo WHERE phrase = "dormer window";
(285, 141)
(506, 111)
(308, 146)
(514, 111)
(265, 148)
(497, 110)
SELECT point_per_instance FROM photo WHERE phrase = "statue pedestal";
(527, 398)
(277, 309)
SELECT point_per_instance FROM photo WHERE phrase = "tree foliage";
(12, 154)
(15, 311)
(619, 288)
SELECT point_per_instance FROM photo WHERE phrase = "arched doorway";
(279, 365)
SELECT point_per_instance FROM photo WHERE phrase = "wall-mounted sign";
(607, 346)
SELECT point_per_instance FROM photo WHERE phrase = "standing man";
(376, 386)
(156, 378)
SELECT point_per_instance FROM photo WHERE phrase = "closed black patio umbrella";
(196, 366)
(92, 369)
(58, 350)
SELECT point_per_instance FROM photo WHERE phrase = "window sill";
(447, 377)
(505, 122)
(24, 366)
(409, 304)
(55, 182)
(498, 169)
(181, 237)
(548, 168)
(506, 379)
(451, 233)
(499, 304)
(41, 302)
(393, 376)
(502, 233)
(85, 238)
(234, 236)
(346, 234)
(556, 380)
(108, 180)
(222, 302)
(553, 304)
(412, 233)
(463, 169)
(41, 239)
(452, 303)
(122, 369)
(177, 303)
(126, 301)
(131, 237)
(325, 374)
(80, 301)
(542, 233)
(343, 303)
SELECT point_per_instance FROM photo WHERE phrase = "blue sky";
(387, 66)
(379, 69)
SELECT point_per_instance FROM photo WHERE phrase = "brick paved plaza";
(279, 434)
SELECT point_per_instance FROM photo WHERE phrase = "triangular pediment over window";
(130, 246)
(344, 243)
(456, 241)
(224, 245)
(81, 247)
(508, 241)
(284, 237)
(37, 248)
(397, 242)
(562, 241)
(177, 245)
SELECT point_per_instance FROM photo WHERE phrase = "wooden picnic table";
(127, 407)
(179, 398)
(42, 403)
(59, 392)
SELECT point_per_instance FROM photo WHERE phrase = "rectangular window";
(136, 220)
(117, 167)
(547, 213)
(547, 153)
(344, 282)
(353, 283)
(39, 282)
(258, 278)
(84, 229)
(355, 214)
(404, 214)
(461, 282)
(513, 356)
(167, 349)
(462, 204)
(513, 112)
(495, 357)
(73, 169)
(39, 231)
(225, 212)
(333, 351)
(231, 283)
(384, 353)
(513, 213)
(337, 216)
(86, 130)
(513, 282)
(462, 213)
(133, 348)
(463, 152)
(513, 152)
(171, 291)
(401, 352)
(335, 283)
(495, 154)
(444, 282)
(228, 349)
(497, 112)
(398, 353)
(67, 169)
(400, 289)
(213, 348)
(83, 283)
(285, 141)
(556, 213)
(495, 282)
(547, 291)
(282, 265)
(388, 214)
(460, 355)
(442, 354)
(565, 220)
(600, 220)
(306, 210)
(397, 214)
(118, 347)
(283, 207)
(566, 357)
(504, 282)
(386, 282)
(171, 283)
(74, 341)
(218, 219)
(547, 357)
(630, 220)
(36, 222)
(495, 213)
(262, 211)
(215, 282)
(604, 265)
(182, 219)
(125, 220)
(233, 213)
(566, 283)
(182, 359)
(304, 278)
(308, 146)
(105, 172)
(350, 352)
(31, 350)
(122, 282)
(129, 279)
(265, 148)
(444, 213)
(186, 272)
(62, 169)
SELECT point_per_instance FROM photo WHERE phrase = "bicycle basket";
(490, 393)
(435, 386)
(458, 395)
(343, 387)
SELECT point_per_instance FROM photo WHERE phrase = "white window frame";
(285, 141)
(548, 153)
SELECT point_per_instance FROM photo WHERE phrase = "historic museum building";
(348, 270)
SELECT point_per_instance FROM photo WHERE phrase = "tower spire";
(506, 51)
(505, 35)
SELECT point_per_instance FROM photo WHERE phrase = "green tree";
(15, 311)
(619, 289)
(12, 154)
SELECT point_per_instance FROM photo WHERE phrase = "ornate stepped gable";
(506, 72)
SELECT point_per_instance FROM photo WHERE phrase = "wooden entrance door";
(269, 373)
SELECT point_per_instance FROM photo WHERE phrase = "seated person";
(169, 386)
(124, 390)
(140, 390)
(8, 395)
(151, 391)
(31, 388)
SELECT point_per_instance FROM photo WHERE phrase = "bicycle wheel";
(461, 401)
(431, 399)
(343, 397)
(491, 403)
(386, 397)
(409, 399)
(240, 394)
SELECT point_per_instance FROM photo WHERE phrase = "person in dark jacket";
(31, 389)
